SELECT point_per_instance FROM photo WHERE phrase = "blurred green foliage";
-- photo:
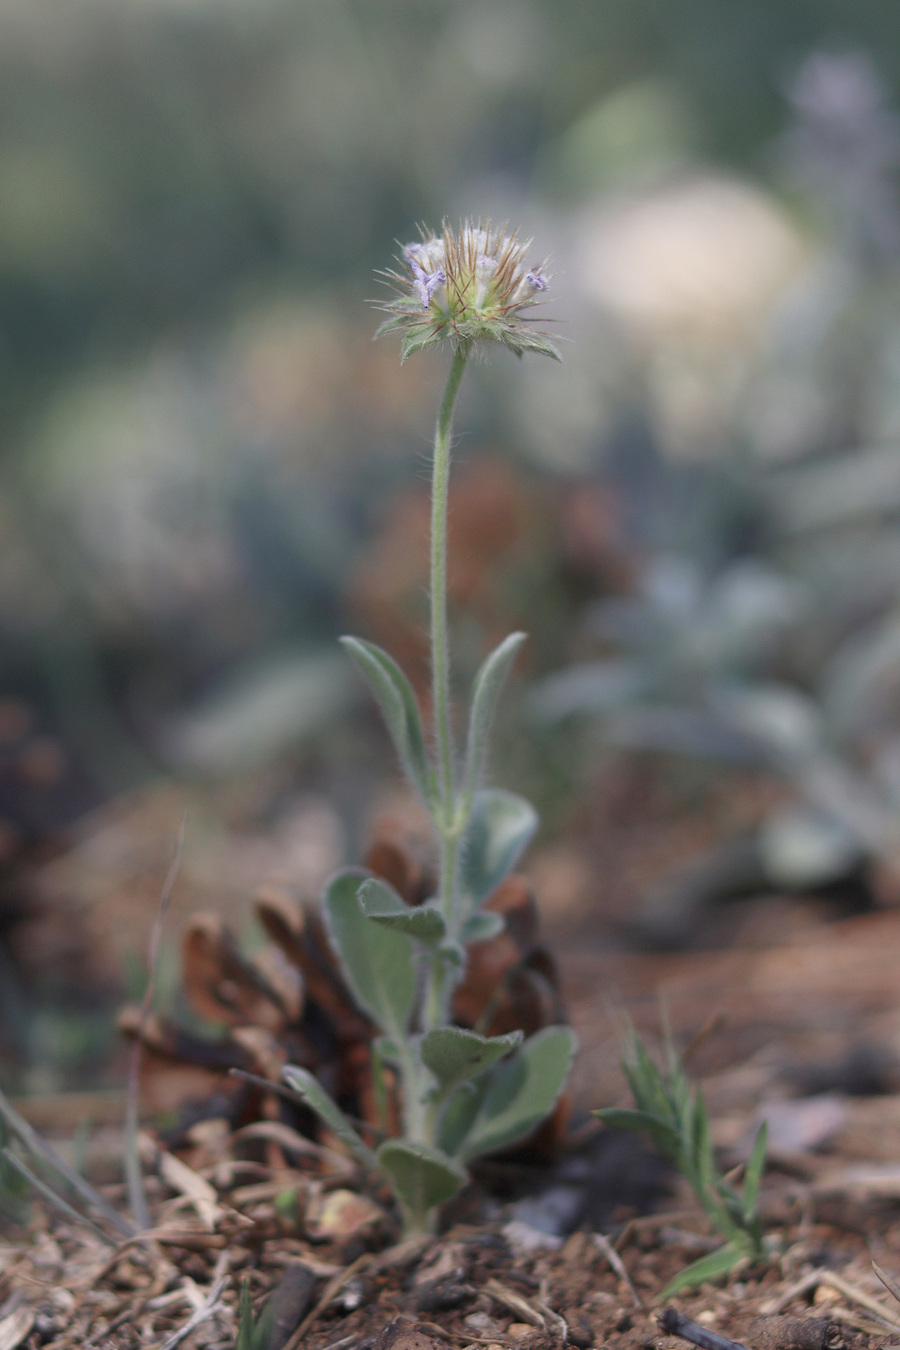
(197, 439)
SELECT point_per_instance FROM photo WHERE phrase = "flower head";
(465, 287)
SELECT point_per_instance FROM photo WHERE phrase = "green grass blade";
(53, 1198)
(753, 1174)
(39, 1147)
(710, 1267)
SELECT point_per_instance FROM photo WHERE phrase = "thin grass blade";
(52, 1198)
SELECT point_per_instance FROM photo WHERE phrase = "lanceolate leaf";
(753, 1174)
(488, 684)
(506, 1103)
(381, 903)
(663, 1134)
(310, 1089)
(422, 1177)
(379, 963)
(709, 1267)
(499, 831)
(397, 701)
(456, 1056)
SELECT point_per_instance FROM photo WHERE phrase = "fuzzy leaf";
(488, 684)
(381, 903)
(708, 1267)
(506, 1103)
(481, 926)
(456, 1056)
(310, 1089)
(499, 831)
(452, 953)
(398, 705)
(422, 1177)
(528, 342)
(379, 964)
(392, 325)
(422, 335)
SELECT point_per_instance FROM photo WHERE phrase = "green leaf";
(710, 1267)
(422, 1177)
(398, 705)
(456, 1056)
(532, 342)
(507, 1103)
(391, 325)
(452, 954)
(379, 963)
(499, 831)
(753, 1174)
(488, 684)
(381, 903)
(314, 1095)
(481, 926)
(664, 1135)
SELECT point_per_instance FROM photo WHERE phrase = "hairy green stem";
(420, 1117)
(440, 657)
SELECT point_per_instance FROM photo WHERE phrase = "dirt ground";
(796, 1016)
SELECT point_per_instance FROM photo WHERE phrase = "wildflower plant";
(461, 1094)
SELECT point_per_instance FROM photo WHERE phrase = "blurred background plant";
(204, 468)
(763, 627)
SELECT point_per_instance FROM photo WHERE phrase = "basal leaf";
(422, 1177)
(506, 1103)
(499, 831)
(398, 705)
(378, 962)
(488, 684)
(310, 1089)
(753, 1173)
(663, 1134)
(709, 1267)
(381, 903)
(456, 1056)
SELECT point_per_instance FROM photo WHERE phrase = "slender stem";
(414, 1109)
(419, 1116)
(440, 659)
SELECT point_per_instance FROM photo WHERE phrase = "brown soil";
(799, 1012)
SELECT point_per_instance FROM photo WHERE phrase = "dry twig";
(211, 1305)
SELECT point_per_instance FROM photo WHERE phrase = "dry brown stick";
(676, 1324)
(858, 1322)
(857, 1295)
(802, 1286)
(333, 1287)
(618, 1265)
(211, 1305)
(888, 1281)
(792, 1333)
(133, 1174)
(508, 1298)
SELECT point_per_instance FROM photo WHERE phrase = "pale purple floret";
(536, 280)
(426, 283)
